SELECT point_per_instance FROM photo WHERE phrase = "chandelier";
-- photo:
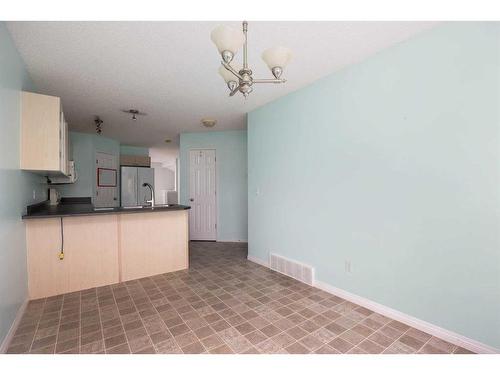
(228, 41)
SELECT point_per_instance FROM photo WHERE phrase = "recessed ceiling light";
(208, 122)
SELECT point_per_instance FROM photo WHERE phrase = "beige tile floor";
(222, 304)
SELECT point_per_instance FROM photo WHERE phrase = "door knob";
(191, 199)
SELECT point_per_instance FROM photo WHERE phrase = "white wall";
(166, 156)
(164, 182)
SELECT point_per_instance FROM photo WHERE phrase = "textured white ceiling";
(169, 69)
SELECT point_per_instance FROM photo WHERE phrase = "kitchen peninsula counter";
(102, 247)
(44, 210)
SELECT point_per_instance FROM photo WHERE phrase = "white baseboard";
(258, 261)
(241, 241)
(8, 338)
(441, 333)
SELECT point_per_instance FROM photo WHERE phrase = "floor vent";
(292, 268)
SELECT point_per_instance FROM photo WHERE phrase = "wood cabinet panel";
(153, 243)
(92, 246)
(90, 254)
(142, 161)
(103, 249)
(135, 160)
(47, 275)
(40, 132)
(127, 160)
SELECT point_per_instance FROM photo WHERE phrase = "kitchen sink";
(147, 206)
(104, 208)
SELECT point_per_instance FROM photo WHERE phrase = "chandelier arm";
(236, 89)
(231, 69)
(270, 80)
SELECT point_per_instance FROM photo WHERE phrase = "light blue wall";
(83, 148)
(231, 153)
(16, 186)
(392, 164)
(133, 150)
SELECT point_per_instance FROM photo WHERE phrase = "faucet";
(152, 201)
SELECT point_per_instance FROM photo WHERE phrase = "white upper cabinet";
(44, 135)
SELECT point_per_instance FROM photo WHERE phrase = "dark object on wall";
(98, 125)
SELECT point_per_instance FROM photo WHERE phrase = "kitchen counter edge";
(70, 210)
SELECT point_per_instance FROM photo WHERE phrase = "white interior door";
(202, 195)
(106, 192)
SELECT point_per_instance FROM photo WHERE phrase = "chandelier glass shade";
(228, 41)
(277, 56)
(226, 74)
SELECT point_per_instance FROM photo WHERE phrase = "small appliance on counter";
(54, 197)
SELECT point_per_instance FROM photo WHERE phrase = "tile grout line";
(142, 320)
(269, 339)
(310, 319)
(385, 349)
(80, 326)
(100, 319)
(393, 341)
(208, 324)
(224, 319)
(183, 321)
(37, 324)
(430, 338)
(121, 322)
(256, 329)
(360, 322)
(59, 324)
(214, 277)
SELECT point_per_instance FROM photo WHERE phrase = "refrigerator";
(132, 191)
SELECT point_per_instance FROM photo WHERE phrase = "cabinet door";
(90, 254)
(68, 149)
(40, 132)
(127, 160)
(64, 146)
(153, 243)
(142, 161)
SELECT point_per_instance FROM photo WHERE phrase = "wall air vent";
(292, 268)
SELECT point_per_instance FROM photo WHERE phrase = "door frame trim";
(118, 182)
(216, 187)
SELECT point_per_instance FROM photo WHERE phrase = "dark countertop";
(83, 208)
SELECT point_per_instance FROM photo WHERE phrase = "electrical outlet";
(348, 266)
